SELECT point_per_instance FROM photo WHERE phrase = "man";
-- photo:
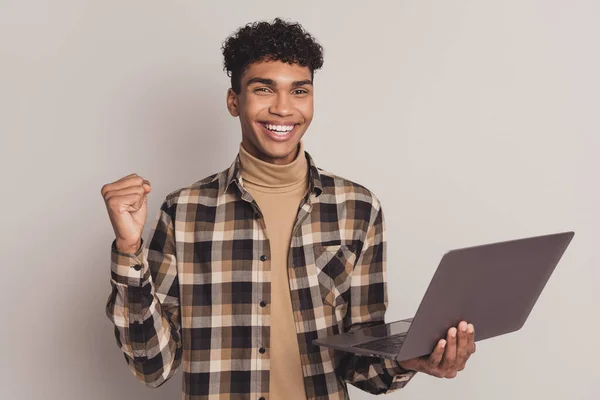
(246, 267)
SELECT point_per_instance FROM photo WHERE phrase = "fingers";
(130, 180)
(435, 358)
(451, 374)
(132, 202)
(450, 352)
(126, 191)
(470, 345)
(458, 350)
(450, 355)
(463, 347)
(129, 199)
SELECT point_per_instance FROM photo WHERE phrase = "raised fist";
(126, 201)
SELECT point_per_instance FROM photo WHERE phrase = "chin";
(279, 150)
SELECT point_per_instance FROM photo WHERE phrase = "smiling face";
(275, 106)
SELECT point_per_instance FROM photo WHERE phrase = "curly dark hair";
(275, 41)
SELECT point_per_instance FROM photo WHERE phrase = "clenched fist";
(126, 202)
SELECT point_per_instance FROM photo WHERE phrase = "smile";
(278, 132)
(279, 129)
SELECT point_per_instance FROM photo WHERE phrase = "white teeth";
(279, 128)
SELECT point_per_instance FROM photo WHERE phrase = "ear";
(232, 102)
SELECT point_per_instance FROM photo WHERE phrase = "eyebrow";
(271, 82)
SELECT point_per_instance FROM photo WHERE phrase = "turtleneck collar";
(273, 177)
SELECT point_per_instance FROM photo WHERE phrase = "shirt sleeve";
(368, 303)
(144, 303)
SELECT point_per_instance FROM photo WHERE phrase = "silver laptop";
(493, 286)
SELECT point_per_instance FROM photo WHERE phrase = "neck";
(260, 172)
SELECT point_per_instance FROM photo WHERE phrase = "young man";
(246, 267)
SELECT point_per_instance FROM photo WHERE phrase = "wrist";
(127, 248)
(405, 366)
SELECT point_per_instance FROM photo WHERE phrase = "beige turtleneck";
(278, 190)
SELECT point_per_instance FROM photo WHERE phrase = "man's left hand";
(449, 356)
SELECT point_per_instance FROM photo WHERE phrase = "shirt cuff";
(128, 268)
(401, 376)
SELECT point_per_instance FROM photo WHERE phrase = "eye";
(261, 89)
(301, 91)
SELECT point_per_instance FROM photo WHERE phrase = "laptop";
(493, 286)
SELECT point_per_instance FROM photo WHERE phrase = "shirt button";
(261, 350)
(137, 267)
(263, 303)
(340, 254)
(263, 257)
(256, 215)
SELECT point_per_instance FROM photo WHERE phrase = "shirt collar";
(314, 176)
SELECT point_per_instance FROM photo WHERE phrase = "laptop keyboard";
(388, 344)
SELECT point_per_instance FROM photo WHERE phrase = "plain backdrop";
(472, 121)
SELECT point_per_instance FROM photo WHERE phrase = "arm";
(368, 303)
(144, 303)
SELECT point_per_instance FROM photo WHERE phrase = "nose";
(282, 106)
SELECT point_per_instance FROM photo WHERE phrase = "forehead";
(282, 73)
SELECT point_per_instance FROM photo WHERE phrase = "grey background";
(473, 121)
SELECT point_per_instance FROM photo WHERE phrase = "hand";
(126, 202)
(449, 356)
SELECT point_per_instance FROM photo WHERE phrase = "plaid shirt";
(198, 294)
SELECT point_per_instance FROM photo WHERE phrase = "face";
(275, 107)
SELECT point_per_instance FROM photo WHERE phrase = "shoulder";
(202, 191)
(345, 189)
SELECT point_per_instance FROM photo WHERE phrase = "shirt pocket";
(334, 264)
